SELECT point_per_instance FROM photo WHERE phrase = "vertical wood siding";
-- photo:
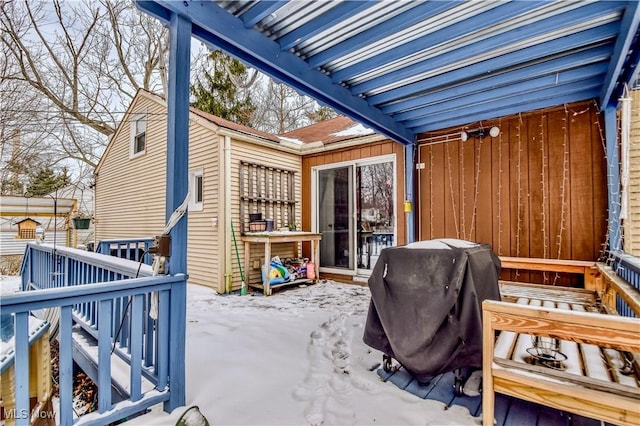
(536, 190)
(350, 154)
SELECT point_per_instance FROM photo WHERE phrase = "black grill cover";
(426, 304)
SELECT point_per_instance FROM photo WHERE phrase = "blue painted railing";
(628, 268)
(102, 295)
(128, 248)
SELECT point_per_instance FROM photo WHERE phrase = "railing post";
(135, 345)
(21, 332)
(177, 328)
(66, 367)
(104, 355)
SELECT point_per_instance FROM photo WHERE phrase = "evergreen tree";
(46, 181)
(217, 91)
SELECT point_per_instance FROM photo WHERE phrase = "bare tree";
(279, 108)
(83, 62)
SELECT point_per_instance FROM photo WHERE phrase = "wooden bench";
(598, 345)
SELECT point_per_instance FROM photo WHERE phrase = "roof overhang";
(402, 68)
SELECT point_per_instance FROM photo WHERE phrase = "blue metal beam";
(491, 44)
(259, 11)
(628, 28)
(613, 177)
(556, 93)
(332, 17)
(177, 190)
(464, 119)
(447, 101)
(215, 26)
(389, 27)
(630, 73)
(485, 68)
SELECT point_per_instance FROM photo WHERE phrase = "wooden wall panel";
(540, 185)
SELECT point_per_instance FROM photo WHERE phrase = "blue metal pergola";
(407, 67)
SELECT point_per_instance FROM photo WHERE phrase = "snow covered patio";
(296, 357)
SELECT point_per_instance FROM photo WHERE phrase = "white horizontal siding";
(130, 192)
(203, 256)
(10, 245)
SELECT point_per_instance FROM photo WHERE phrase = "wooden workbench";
(277, 237)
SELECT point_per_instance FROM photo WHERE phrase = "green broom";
(243, 288)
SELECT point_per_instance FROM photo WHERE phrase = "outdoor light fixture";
(481, 132)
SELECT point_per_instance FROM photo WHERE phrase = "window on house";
(138, 134)
(196, 188)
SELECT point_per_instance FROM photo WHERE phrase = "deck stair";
(85, 354)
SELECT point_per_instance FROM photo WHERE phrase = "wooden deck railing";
(585, 322)
(128, 248)
(102, 296)
(618, 286)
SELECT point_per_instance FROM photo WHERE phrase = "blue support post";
(613, 177)
(408, 188)
(177, 188)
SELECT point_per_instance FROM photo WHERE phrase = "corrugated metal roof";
(405, 67)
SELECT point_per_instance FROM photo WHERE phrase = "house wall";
(203, 254)
(375, 149)
(539, 189)
(632, 223)
(130, 193)
(244, 151)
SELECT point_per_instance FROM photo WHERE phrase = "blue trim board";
(628, 29)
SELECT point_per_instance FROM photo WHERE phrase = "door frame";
(355, 271)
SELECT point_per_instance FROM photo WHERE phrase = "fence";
(134, 317)
(131, 248)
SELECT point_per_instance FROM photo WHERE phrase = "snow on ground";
(293, 358)
(9, 285)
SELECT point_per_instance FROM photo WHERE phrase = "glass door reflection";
(335, 207)
(375, 203)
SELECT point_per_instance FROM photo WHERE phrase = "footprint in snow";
(328, 386)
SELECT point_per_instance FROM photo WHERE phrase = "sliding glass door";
(335, 213)
(355, 212)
